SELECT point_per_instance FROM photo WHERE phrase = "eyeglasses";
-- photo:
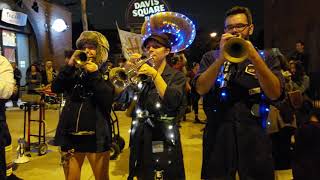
(238, 27)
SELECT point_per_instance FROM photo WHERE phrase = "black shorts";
(84, 143)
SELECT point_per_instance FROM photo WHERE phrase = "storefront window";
(9, 38)
(9, 45)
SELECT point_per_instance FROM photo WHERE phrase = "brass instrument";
(182, 32)
(122, 77)
(181, 29)
(81, 59)
(235, 50)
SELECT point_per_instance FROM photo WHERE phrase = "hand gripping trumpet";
(122, 77)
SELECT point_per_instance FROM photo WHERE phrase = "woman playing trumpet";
(155, 148)
(84, 128)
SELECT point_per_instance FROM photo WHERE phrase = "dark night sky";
(207, 15)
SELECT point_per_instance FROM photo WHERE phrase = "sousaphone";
(180, 28)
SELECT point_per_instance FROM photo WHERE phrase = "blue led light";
(223, 94)
(181, 40)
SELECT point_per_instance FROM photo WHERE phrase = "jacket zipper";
(78, 118)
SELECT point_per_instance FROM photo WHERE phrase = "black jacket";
(143, 162)
(89, 99)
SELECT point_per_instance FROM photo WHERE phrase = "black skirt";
(84, 144)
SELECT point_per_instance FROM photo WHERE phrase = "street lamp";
(59, 25)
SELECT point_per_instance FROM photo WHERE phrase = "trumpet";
(235, 50)
(122, 77)
(81, 59)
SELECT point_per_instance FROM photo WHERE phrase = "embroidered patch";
(157, 146)
(254, 91)
(250, 70)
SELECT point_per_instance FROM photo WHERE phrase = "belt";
(83, 133)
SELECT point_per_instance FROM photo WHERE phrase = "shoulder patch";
(250, 70)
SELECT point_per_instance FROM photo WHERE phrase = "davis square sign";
(139, 9)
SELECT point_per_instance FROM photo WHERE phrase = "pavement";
(48, 166)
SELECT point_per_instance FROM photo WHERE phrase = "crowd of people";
(237, 139)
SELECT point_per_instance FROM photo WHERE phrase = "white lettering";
(156, 2)
(151, 11)
(140, 12)
(162, 8)
(143, 8)
(134, 13)
(156, 9)
(142, 4)
(147, 3)
(136, 5)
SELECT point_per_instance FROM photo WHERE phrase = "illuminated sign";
(139, 9)
(12, 17)
(145, 8)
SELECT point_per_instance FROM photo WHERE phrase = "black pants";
(195, 101)
(2, 163)
(15, 97)
(5, 139)
(233, 146)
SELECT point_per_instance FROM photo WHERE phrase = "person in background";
(297, 87)
(299, 79)
(33, 79)
(48, 74)
(194, 96)
(178, 62)
(300, 55)
(17, 77)
(307, 149)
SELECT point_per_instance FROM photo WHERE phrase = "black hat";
(162, 39)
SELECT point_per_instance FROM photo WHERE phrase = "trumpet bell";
(118, 77)
(235, 50)
(81, 59)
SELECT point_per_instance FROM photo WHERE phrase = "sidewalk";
(48, 166)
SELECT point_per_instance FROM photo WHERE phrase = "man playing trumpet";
(234, 139)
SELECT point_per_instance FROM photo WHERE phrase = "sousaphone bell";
(179, 27)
